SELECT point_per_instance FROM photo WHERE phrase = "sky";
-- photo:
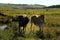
(41, 2)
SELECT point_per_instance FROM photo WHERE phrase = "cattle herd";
(23, 21)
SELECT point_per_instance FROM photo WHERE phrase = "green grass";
(52, 24)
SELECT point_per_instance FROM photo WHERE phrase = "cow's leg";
(41, 27)
(24, 29)
(19, 28)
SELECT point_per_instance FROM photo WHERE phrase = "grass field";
(51, 27)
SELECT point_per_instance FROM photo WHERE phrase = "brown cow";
(37, 20)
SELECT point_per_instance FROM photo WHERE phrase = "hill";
(21, 6)
(54, 6)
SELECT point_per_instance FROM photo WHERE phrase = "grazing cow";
(37, 20)
(22, 20)
(5, 19)
(8, 19)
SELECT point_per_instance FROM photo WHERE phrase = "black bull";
(23, 21)
(39, 21)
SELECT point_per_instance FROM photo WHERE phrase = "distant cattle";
(37, 20)
(22, 20)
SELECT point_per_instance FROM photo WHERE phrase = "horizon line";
(28, 4)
